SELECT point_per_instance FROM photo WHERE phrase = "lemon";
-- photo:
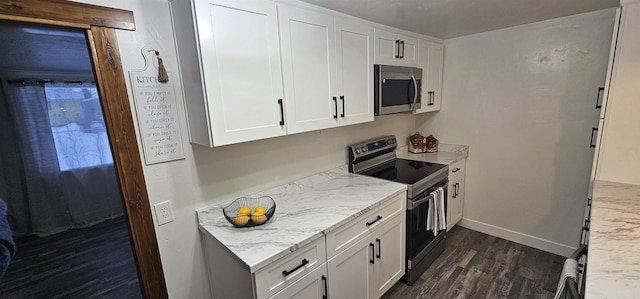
(259, 210)
(244, 211)
(241, 220)
(258, 219)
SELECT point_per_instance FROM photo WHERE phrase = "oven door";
(418, 237)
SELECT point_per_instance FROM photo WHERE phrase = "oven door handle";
(414, 204)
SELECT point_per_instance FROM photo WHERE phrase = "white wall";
(523, 98)
(208, 176)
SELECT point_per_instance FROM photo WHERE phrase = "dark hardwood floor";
(476, 265)
(94, 262)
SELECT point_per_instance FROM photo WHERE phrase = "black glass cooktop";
(404, 171)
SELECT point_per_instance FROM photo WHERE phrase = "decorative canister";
(417, 143)
(431, 144)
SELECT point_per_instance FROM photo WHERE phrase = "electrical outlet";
(164, 212)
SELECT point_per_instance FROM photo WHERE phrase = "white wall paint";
(208, 176)
(523, 99)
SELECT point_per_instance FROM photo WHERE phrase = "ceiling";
(30, 46)
(453, 18)
(33, 47)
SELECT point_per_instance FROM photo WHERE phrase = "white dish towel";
(570, 269)
(431, 212)
(436, 219)
(442, 217)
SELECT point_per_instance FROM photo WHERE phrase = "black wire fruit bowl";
(247, 211)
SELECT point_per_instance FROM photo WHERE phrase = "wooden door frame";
(100, 24)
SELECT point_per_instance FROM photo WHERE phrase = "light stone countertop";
(613, 258)
(446, 154)
(305, 209)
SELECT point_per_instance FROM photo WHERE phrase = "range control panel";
(372, 146)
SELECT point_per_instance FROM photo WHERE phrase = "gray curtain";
(43, 200)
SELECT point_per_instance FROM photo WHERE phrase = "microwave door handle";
(415, 93)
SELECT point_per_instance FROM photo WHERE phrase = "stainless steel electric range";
(377, 158)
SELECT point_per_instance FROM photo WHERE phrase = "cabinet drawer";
(457, 167)
(351, 232)
(289, 269)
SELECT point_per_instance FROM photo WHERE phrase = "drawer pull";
(374, 221)
(456, 170)
(286, 273)
(373, 252)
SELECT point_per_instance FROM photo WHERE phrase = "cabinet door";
(389, 255)
(354, 46)
(308, 59)
(312, 285)
(430, 59)
(408, 51)
(458, 200)
(350, 271)
(241, 69)
(386, 47)
(455, 196)
(619, 158)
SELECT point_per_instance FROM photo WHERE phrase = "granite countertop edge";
(613, 259)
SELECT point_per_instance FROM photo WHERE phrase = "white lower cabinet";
(360, 259)
(372, 265)
(455, 194)
(351, 272)
(310, 286)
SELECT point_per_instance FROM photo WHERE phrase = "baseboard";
(520, 238)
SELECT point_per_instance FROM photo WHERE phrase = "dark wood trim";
(114, 97)
(69, 12)
(120, 128)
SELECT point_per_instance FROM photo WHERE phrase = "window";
(77, 125)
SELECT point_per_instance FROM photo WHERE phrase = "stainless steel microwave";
(396, 89)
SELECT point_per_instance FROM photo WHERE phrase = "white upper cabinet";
(431, 61)
(257, 69)
(241, 71)
(309, 69)
(354, 48)
(395, 49)
(619, 148)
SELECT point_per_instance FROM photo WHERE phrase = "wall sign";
(155, 104)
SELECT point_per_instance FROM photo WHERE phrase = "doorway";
(100, 24)
(64, 202)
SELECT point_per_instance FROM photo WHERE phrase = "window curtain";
(42, 199)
